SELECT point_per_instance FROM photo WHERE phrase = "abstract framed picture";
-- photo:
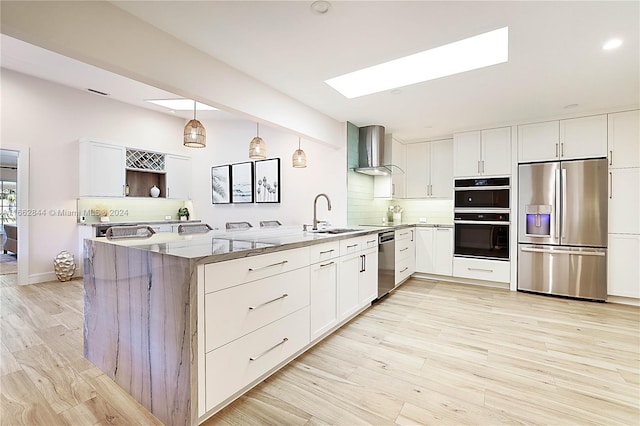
(267, 183)
(242, 182)
(221, 184)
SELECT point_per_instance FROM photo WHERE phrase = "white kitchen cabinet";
(429, 169)
(482, 153)
(584, 137)
(405, 254)
(393, 185)
(624, 139)
(358, 274)
(482, 269)
(434, 250)
(624, 201)
(178, 177)
(623, 268)
(324, 287)
(102, 170)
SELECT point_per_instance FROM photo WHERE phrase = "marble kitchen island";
(186, 324)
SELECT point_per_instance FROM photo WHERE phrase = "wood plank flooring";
(429, 353)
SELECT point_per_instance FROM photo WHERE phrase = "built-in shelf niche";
(140, 182)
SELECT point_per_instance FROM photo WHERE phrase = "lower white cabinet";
(240, 362)
(434, 250)
(405, 254)
(368, 278)
(358, 275)
(482, 269)
(623, 267)
(324, 297)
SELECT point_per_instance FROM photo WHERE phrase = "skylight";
(181, 104)
(471, 53)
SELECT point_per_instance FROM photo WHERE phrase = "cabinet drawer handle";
(327, 251)
(268, 266)
(268, 301)
(352, 245)
(406, 248)
(610, 185)
(480, 269)
(610, 157)
(557, 150)
(253, 358)
(327, 264)
(404, 269)
(371, 241)
(404, 233)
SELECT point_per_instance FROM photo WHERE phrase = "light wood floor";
(430, 353)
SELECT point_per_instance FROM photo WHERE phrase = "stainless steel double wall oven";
(481, 218)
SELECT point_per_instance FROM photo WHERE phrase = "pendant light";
(299, 157)
(257, 147)
(195, 136)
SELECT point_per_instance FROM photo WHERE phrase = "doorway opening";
(8, 217)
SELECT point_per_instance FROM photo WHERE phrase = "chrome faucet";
(315, 209)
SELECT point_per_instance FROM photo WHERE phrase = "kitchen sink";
(335, 231)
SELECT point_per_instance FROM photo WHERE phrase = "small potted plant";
(183, 213)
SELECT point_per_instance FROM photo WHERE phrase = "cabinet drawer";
(368, 241)
(404, 234)
(404, 249)
(222, 275)
(351, 245)
(322, 252)
(480, 269)
(239, 310)
(403, 270)
(237, 364)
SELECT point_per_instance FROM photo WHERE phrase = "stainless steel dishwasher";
(386, 262)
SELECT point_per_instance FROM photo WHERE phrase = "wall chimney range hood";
(371, 151)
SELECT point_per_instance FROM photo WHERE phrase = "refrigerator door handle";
(556, 224)
(556, 251)
(563, 207)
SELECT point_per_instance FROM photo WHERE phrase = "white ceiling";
(555, 56)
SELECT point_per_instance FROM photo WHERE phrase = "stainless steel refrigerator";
(562, 235)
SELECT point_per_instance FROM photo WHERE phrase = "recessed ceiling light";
(614, 43)
(471, 53)
(181, 104)
(320, 7)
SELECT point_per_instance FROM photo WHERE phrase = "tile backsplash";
(435, 211)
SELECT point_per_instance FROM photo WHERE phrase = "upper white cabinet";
(429, 171)
(482, 153)
(178, 176)
(392, 186)
(102, 170)
(624, 143)
(108, 170)
(584, 137)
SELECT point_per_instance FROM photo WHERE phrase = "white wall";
(48, 119)
(228, 142)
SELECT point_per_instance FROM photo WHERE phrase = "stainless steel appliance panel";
(565, 271)
(539, 195)
(386, 262)
(584, 203)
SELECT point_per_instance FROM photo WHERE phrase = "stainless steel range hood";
(371, 151)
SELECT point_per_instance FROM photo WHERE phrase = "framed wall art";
(221, 184)
(242, 182)
(267, 183)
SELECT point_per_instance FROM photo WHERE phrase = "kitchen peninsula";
(187, 323)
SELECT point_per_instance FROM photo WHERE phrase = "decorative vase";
(154, 191)
(64, 265)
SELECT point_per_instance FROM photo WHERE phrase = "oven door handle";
(480, 188)
(480, 222)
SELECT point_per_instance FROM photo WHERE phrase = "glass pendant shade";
(195, 135)
(299, 157)
(257, 147)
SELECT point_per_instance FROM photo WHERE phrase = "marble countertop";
(221, 245)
